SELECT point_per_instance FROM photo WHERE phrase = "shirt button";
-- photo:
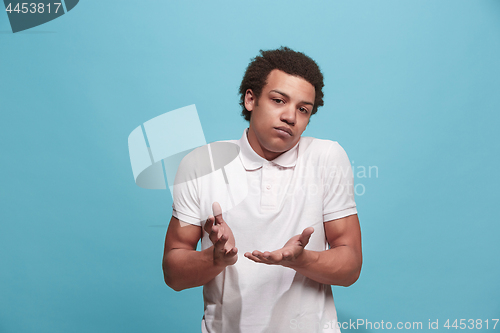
(268, 187)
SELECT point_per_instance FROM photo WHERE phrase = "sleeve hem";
(186, 218)
(339, 214)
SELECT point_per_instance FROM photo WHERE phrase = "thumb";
(217, 210)
(306, 234)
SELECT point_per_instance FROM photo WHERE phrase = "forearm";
(337, 266)
(183, 268)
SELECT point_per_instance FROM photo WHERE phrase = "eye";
(304, 110)
(278, 101)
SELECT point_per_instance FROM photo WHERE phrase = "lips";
(285, 129)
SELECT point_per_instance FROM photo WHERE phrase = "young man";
(267, 263)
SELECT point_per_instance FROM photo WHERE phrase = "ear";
(249, 100)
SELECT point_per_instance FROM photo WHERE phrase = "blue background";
(412, 87)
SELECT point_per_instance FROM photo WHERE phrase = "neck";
(257, 147)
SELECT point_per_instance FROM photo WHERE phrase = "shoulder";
(314, 148)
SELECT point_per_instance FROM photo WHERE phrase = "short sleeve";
(186, 205)
(338, 184)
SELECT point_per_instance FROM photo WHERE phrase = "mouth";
(284, 129)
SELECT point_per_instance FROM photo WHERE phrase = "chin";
(279, 148)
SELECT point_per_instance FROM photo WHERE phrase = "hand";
(288, 256)
(222, 237)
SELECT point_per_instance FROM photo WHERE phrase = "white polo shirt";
(265, 203)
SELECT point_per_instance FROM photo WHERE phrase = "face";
(280, 115)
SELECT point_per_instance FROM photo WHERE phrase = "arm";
(183, 266)
(340, 265)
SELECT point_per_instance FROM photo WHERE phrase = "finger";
(287, 255)
(215, 231)
(232, 252)
(257, 253)
(252, 257)
(209, 223)
(219, 231)
(220, 244)
(261, 258)
(217, 210)
(228, 247)
(266, 258)
(275, 256)
(306, 234)
(266, 255)
(222, 231)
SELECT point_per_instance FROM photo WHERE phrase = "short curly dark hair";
(286, 60)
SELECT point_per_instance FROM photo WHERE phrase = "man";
(267, 263)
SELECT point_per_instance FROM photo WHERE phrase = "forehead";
(289, 84)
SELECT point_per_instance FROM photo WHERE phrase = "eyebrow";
(286, 95)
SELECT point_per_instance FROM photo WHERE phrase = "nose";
(288, 115)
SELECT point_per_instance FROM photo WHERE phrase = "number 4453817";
(470, 324)
(32, 7)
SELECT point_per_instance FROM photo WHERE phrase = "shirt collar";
(252, 161)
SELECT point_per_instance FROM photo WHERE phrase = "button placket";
(268, 199)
